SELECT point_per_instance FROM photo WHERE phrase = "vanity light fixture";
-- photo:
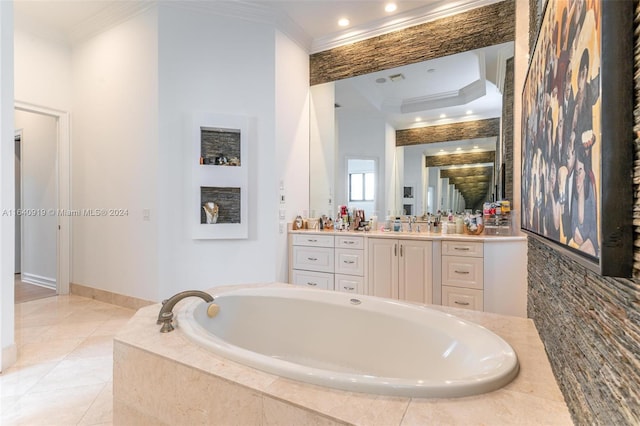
(343, 22)
(390, 7)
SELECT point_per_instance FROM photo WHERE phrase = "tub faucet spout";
(165, 316)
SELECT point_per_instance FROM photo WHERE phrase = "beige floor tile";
(77, 372)
(19, 380)
(41, 352)
(64, 407)
(93, 346)
(101, 410)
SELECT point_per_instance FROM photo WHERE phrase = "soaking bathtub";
(351, 342)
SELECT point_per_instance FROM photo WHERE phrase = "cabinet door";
(350, 262)
(382, 280)
(313, 279)
(465, 298)
(464, 272)
(349, 284)
(415, 283)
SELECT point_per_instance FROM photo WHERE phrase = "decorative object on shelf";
(297, 223)
(211, 211)
(577, 119)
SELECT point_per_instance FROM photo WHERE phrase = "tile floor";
(63, 375)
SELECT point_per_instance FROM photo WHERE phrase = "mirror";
(360, 118)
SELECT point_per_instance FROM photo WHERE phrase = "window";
(361, 186)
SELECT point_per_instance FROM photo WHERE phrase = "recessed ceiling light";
(381, 80)
(475, 147)
(442, 150)
(343, 22)
(418, 119)
(458, 149)
(469, 112)
(390, 7)
(443, 115)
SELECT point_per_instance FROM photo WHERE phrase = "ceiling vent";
(396, 77)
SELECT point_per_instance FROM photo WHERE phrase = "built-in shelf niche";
(227, 200)
(218, 143)
(220, 147)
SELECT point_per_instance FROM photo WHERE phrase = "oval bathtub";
(352, 342)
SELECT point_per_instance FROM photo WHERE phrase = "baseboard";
(109, 297)
(38, 280)
(9, 356)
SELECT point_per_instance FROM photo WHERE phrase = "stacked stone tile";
(636, 169)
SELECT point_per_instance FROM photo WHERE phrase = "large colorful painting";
(573, 130)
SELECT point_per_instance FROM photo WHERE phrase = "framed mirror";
(460, 84)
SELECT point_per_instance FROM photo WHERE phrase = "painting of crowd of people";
(561, 138)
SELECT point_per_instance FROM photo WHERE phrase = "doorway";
(42, 195)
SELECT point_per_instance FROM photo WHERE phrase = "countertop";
(415, 235)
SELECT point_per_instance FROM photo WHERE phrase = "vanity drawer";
(462, 248)
(310, 279)
(313, 258)
(349, 284)
(350, 262)
(467, 272)
(464, 298)
(313, 240)
(350, 242)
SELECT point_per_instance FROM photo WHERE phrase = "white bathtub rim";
(483, 383)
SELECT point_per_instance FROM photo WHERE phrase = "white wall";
(115, 158)
(292, 141)
(39, 193)
(43, 74)
(223, 65)
(8, 351)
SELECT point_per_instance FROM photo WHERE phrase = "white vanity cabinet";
(484, 273)
(312, 260)
(463, 274)
(400, 269)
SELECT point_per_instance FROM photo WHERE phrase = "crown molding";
(115, 13)
(418, 16)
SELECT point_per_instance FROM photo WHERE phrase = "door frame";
(63, 180)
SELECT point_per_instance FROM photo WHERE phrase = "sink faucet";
(165, 316)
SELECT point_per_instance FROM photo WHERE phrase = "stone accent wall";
(507, 131)
(450, 132)
(481, 27)
(590, 325)
(453, 159)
